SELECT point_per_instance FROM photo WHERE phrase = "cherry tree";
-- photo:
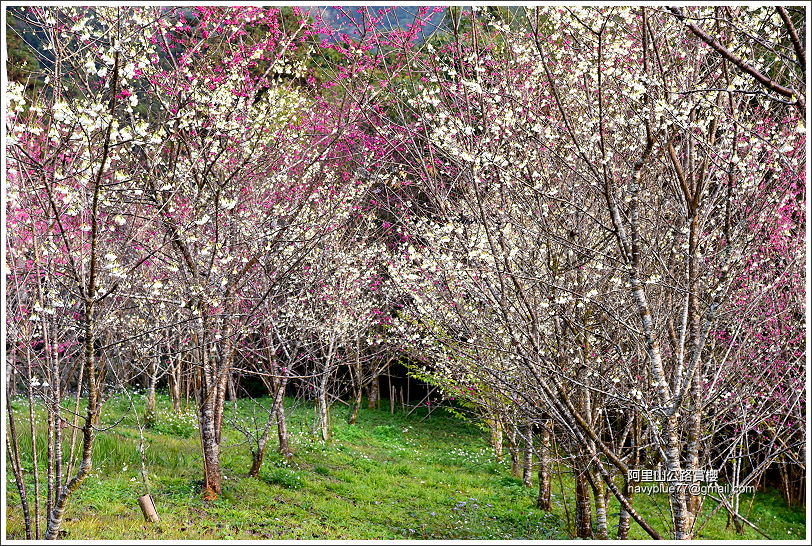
(634, 191)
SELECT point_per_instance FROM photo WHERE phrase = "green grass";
(387, 477)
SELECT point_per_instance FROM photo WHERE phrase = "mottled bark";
(679, 506)
(212, 476)
(601, 524)
(624, 520)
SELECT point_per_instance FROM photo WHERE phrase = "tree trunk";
(323, 414)
(679, 506)
(373, 391)
(212, 477)
(174, 385)
(495, 426)
(259, 453)
(34, 456)
(527, 463)
(57, 512)
(13, 449)
(357, 382)
(513, 448)
(149, 410)
(232, 388)
(356, 406)
(282, 431)
(322, 404)
(601, 525)
(543, 501)
(625, 519)
(583, 508)
(256, 461)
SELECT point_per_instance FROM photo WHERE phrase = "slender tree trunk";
(13, 447)
(174, 383)
(49, 469)
(149, 410)
(258, 454)
(694, 438)
(679, 507)
(527, 463)
(356, 406)
(601, 525)
(513, 448)
(57, 512)
(322, 405)
(232, 388)
(76, 415)
(543, 501)
(212, 478)
(583, 508)
(34, 451)
(495, 426)
(59, 421)
(373, 391)
(323, 412)
(624, 520)
(208, 416)
(282, 431)
(357, 374)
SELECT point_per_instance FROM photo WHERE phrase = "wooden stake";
(148, 508)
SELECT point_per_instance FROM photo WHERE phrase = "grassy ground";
(387, 477)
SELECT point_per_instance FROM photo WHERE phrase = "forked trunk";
(259, 453)
(256, 462)
(60, 501)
